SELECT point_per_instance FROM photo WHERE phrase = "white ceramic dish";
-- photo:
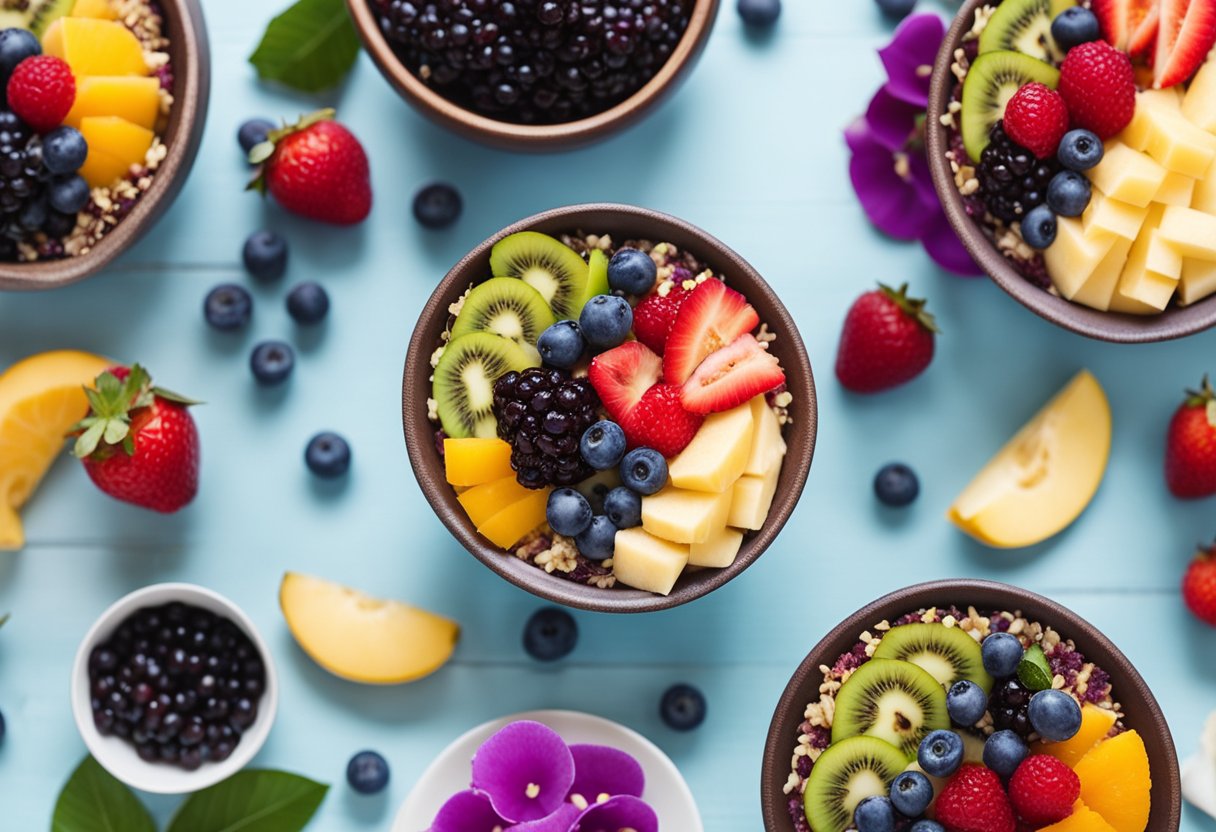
(666, 791)
(118, 756)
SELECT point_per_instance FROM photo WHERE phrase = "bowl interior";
(1174, 322)
(118, 756)
(622, 222)
(1142, 712)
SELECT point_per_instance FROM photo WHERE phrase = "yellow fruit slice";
(115, 144)
(482, 502)
(1082, 819)
(1095, 725)
(99, 9)
(1116, 782)
(361, 638)
(475, 461)
(40, 399)
(507, 527)
(130, 97)
(95, 47)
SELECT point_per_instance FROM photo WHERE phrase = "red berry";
(660, 421)
(655, 315)
(1127, 24)
(1037, 119)
(1099, 87)
(974, 801)
(622, 375)
(731, 376)
(1199, 586)
(41, 91)
(1190, 452)
(1186, 36)
(710, 318)
(1043, 790)
(888, 339)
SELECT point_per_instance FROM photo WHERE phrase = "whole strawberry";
(1043, 790)
(654, 316)
(1037, 119)
(1099, 87)
(660, 421)
(139, 443)
(888, 339)
(974, 801)
(1199, 586)
(1190, 451)
(315, 168)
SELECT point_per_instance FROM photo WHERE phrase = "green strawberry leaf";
(251, 801)
(1033, 671)
(310, 47)
(94, 801)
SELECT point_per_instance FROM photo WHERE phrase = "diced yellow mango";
(751, 500)
(717, 552)
(717, 454)
(507, 527)
(684, 516)
(1154, 108)
(1075, 256)
(115, 145)
(1177, 189)
(132, 97)
(475, 461)
(1106, 215)
(99, 9)
(1204, 198)
(95, 47)
(484, 501)
(1095, 725)
(643, 561)
(1127, 175)
(1147, 287)
(1100, 288)
(1199, 106)
(1170, 99)
(1198, 281)
(768, 446)
(1153, 266)
(1179, 145)
(1191, 232)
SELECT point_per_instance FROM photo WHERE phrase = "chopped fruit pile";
(613, 414)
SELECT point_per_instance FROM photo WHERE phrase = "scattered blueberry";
(1039, 227)
(327, 455)
(623, 507)
(561, 345)
(966, 703)
(605, 321)
(265, 255)
(603, 445)
(759, 12)
(1080, 150)
(1004, 752)
(437, 206)
(632, 272)
(1069, 193)
(875, 814)
(927, 826)
(1002, 653)
(2, 727)
(1055, 715)
(644, 470)
(272, 362)
(897, 8)
(1075, 26)
(367, 772)
(597, 541)
(228, 307)
(568, 512)
(896, 485)
(15, 46)
(69, 194)
(308, 303)
(911, 793)
(682, 707)
(64, 150)
(940, 753)
(550, 634)
(253, 132)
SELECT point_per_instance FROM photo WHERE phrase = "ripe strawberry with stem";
(1199, 585)
(887, 340)
(1190, 453)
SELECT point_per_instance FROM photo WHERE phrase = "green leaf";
(93, 801)
(309, 47)
(1033, 671)
(86, 443)
(252, 801)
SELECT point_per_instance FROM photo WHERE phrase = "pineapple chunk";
(768, 447)
(1204, 198)
(683, 516)
(1154, 108)
(1198, 281)
(718, 453)
(507, 527)
(751, 500)
(643, 561)
(1127, 175)
(1153, 266)
(1191, 232)
(1183, 148)
(719, 551)
(115, 145)
(1100, 288)
(1177, 189)
(1106, 215)
(95, 47)
(1075, 256)
(127, 96)
(1200, 103)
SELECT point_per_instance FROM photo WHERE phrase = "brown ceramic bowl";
(535, 138)
(1174, 322)
(622, 222)
(191, 58)
(1142, 711)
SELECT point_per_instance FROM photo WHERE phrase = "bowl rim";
(1091, 640)
(428, 471)
(1174, 322)
(507, 134)
(116, 755)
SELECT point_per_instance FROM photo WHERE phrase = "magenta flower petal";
(890, 201)
(618, 813)
(526, 769)
(858, 135)
(910, 56)
(560, 821)
(599, 770)
(944, 246)
(922, 180)
(891, 120)
(467, 811)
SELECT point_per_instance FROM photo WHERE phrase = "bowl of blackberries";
(173, 690)
(534, 74)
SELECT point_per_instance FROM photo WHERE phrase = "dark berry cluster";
(180, 683)
(1010, 708)
(534, 61)
(26, 212)
(543, 414)
(1012, 180)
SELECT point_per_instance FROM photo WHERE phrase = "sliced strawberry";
(622, 375)
(660, 421)
(1121, 19)
(1186, 36)
(732, 376)
(1144, 37)
(654, 317)
(709, 319)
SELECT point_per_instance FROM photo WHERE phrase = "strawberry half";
(660, 421)
(1121, 20)
(622, 375)
(1144, 37)
(731, 376)
(1186, 36)
(710, 318)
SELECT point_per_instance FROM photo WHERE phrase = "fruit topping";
(367, 772)
(946, 653)
(548, 266)
(1069, 193)
(64, 150)
(1004, 751)
(710, 318)
(1121, 20)
(654, 317)
(993, 79)
(561, 345)
(644, 470)
(732, 376)
(621, 377)
(437, 206)
(845, 774)
(887, 340)
(1074, 26)
(469, 462)
(16, 44)
(966, 702)
(506, 307)
(115, 147)
(1080, 150)
(875, 814)
(1099, 87)
(603, 445)
(911, 794)
(975, 801)
(1190, 453)
(41, 91)
(892, 700)
(327, 455)
(718, 455)
(940, 753)
(1039, 227)
(308, 303)
(1024, 26)
(1186, 36)
(1054, 715)
(1096, 724)
(682, 707)
(543, 414)
(568, 512)
(632, 272)
(265, 255)
(597, 542)
(1116, 782)
(647, 562)
(1009, 704)
(660, 421)
(623, 506)
(550, 634)
(896, 485)
(464, 381)
(272, 362)
(95, 47)
(1199, 586)
(1043, 790)
(605, 321)
(1012, 180)
(1002, 653)
(228, 307)
(1036, 119)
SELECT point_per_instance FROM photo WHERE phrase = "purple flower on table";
(526, 770)
(467, 811)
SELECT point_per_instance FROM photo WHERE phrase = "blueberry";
(911, 794)
(896, 485)
(682, 707)
(265, 255)
(603, 445)
(59, 224)
(940, 753)
(927, 826)
(253, 132)
(2, 726)
(33, 215)
(966, 703)
(605, 321)
(327, 455)
(1002, 653)
(272, 362)
(1069, 193)
(437, 206)
(228, 307)
(623, 507)
(875, 814)
(568, 512)
(1075, 26)
(644, 470)
(897, 8)
(69, 194)
(367, 772)
(1039, 227)
(308, 303)
(1080, 150)
(759, 12)
(1055, 715)
(64, 150)
(597, 541)
(1004, 752)
(632, 272)
(561, 345)
(15, 46)
(550, 634)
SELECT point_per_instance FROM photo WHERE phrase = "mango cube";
(717, 552)
(1153, 267)
(1075, 256)
(115, 144)
(475, 461)
(1204, 198)
(1200, 103)
(1106, 215)
(99, 9)
(95, 47)
(646, 562)
(508, 526)
(127, 96)
(1191, 232)
(1101, 285)
(1198, 281)
(718, 453)
(1177, 189)
(751, 500)
(684, 516)
(484, 501)
(1182, 147)
(768, 446)
(1127, 175)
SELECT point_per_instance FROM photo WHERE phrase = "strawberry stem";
(912, 307)
(112, 402)
(260, 153)
(1204, 397)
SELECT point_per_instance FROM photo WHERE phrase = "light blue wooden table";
(750, 150)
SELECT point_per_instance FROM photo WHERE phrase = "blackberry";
(1009, 706)
(1012, 180)
(543, 414)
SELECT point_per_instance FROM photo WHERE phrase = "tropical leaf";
(309, 47)
(252, 801)
(94, 801)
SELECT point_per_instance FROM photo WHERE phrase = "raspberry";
(1099, 87)
(543, 414)
(973, 801)
(660, 421)
(41, 90)
(654, 316)
(1037, 119)
(1043, 790)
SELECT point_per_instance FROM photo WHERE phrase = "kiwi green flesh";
(844, 775)
(464, 382)
(991, 81)
(1024, 26)
(547, 265)
(892, 700)
(947, 653)
(42, 13)
(597, 275)
(507, 307)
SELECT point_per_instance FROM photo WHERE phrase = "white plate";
(666, 791)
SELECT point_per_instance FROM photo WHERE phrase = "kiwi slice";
(1025, 26)
(892, 700)
(991, 82)
(42, 13)
(464, 382)
(548, 266)
(597, 275)
(506, 307)
(947, 653)
(845, 774)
